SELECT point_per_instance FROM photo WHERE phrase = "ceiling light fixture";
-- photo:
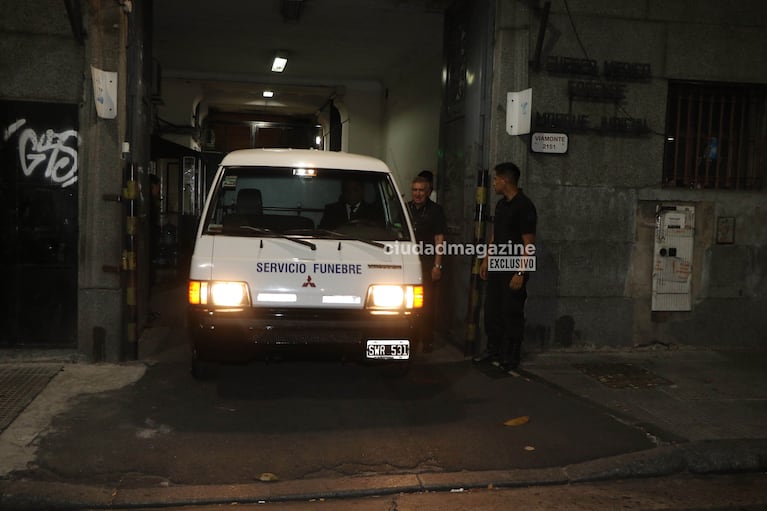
(279, 62)
(268, 93)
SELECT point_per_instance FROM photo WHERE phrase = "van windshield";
(316, 203)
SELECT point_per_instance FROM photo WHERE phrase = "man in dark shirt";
(514, 225)
(430, 226)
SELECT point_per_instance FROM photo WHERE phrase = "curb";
(706, 457)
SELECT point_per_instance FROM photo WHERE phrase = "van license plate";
(394, 349)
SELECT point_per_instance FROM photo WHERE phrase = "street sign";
(551, 143)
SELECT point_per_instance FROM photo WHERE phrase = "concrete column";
(511, 57)
(100, 297)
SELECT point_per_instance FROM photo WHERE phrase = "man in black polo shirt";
(430, 226)
(514, 225)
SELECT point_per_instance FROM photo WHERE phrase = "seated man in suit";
(351, 206)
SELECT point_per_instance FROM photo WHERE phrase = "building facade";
(645, 158)
(652, 222)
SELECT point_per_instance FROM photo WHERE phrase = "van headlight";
(219, 293)
(390, 297)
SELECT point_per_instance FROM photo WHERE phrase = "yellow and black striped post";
(475, 284)
(130, 195)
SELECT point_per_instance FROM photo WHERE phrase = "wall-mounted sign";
(632, 71)
(582, 123)
(588, 87)
(550, 143)
(725, 229)
(571, 66)
(594, 90)
(560, 121)
(611, 69)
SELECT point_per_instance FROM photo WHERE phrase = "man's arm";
(439, 239)
(528, 239)
(436, 270)
(517, 279)
(440, 227)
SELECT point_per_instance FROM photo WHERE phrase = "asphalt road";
(303, 420)
(450, 435)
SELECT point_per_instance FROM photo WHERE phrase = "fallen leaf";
(268, 477)
(517, 421)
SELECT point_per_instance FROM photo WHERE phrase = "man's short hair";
(509, 171)
(421, 179)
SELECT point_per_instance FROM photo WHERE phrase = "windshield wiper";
(263, 230)
(338, 235)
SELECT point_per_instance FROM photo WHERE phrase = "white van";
(282, 266)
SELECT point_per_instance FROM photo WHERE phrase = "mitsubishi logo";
(308, 282)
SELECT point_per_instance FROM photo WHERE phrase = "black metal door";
(38, 224)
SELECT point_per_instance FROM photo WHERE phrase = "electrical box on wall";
(672, 260)
(519, 108)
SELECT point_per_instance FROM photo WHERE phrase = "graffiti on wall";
(48, 152)
(39, 232)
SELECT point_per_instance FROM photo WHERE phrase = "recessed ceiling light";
(268, 93)
(280, 61)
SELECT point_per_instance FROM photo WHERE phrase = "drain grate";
(622, 376)
(19, 385)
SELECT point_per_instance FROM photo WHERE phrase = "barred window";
(716, 135)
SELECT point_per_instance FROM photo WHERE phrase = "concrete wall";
(177, 108)
(101, 298)
(463, 156)
(597, 203)
(361, 109)
(42, 61)
(412, 102)
(37, 50)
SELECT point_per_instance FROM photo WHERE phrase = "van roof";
(303, 158)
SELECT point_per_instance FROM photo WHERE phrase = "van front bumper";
(248, 334)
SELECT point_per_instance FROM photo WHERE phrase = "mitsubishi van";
(303, 253)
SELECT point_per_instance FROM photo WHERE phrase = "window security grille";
(716, 135)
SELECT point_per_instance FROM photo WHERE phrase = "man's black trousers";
(504, 318)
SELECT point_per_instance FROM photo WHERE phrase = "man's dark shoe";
(509, 366)
(486, 356)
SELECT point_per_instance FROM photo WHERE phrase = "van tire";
(202, 370)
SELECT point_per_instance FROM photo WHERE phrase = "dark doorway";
(38, 224)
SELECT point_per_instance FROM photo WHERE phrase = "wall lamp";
(279, 62)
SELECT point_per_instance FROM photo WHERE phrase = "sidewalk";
(704, 410)
(679, 394)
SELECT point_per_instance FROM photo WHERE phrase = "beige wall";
(411, 121)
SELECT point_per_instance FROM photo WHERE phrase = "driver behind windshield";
(350, 206)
